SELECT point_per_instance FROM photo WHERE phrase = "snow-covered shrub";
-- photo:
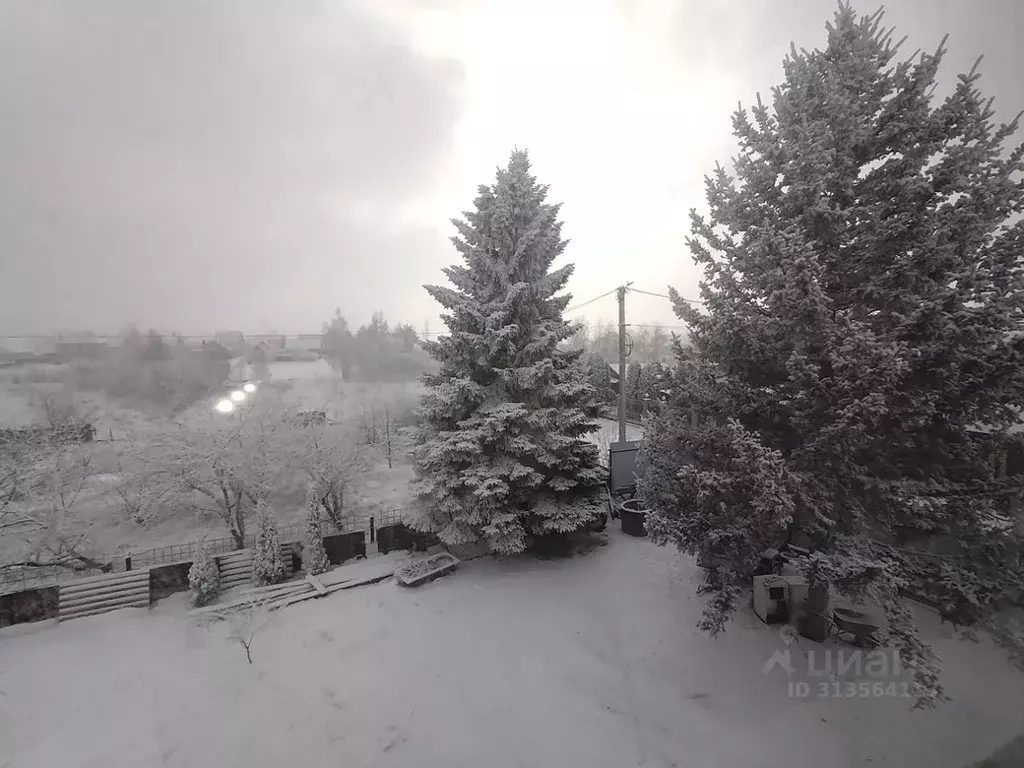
(314, 556)
(204, 577)
(267, 563)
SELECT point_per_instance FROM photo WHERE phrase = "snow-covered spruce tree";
(204, 577)
(502, 451)
(599, 378)
(863, 289)
(267, 563)
(634, 373)
(314, 556)
(651, 380)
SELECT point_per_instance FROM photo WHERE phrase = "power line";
(591, 301)
(589, 326)
(663, 296)
(664, 327)
(650, 293)
(213, 336)
(169, 338)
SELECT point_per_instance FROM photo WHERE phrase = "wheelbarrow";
(862, 626)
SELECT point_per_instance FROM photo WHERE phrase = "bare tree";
(146, 480)
(42, 479)
(17, 453)
(387, 436)
(243, 622)
(230, 466)
(57, 410)
(138, 496)
(63, 417)
(330, 456)
(369, 425)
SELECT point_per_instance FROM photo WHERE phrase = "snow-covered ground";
(593, 662)
(307, 369)
(610, 430)
(609, 433)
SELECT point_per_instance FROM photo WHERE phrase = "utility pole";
(620, 294)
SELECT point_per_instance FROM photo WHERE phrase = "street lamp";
(249, 387)
(238, 395)
(224, 406)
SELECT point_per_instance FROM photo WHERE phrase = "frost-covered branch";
(44, 477)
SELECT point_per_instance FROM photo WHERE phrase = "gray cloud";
(198, 165)
(749, 40)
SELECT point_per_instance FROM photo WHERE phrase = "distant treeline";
(374, 352)
(646, 343)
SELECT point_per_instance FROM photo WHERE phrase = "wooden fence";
(138, 588)
(24, 579)
(100, 594)
(236, 567)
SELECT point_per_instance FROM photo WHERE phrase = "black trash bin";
(633, 515)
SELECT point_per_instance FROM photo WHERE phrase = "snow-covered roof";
(1014, 429)
(304, 342)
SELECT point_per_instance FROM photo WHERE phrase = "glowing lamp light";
(224, 406)
(249, 387)
(238, 395)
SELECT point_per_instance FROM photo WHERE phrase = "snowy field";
(589, 662)
(308, 370)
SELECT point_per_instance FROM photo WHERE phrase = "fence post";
(128, 563)
(373, 531)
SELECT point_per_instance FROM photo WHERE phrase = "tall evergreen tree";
(503, 452)
(267, 564)
(863, 289)
(156, 348)
(599, 377)
(634, 372)
(314, 555)
(204, 577)
(651, 378)
(337, 344)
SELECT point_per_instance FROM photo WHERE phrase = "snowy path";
(590, 662)
(610, 433)
(610, 429)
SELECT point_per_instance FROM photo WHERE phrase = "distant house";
(215, 351)
(67, 350)
(233, 341)
(614, 377)
(270, 342)
(304, 348)
(189, 343)
(30, 345)
(309, 343)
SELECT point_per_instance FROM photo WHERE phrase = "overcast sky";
(197, 165)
